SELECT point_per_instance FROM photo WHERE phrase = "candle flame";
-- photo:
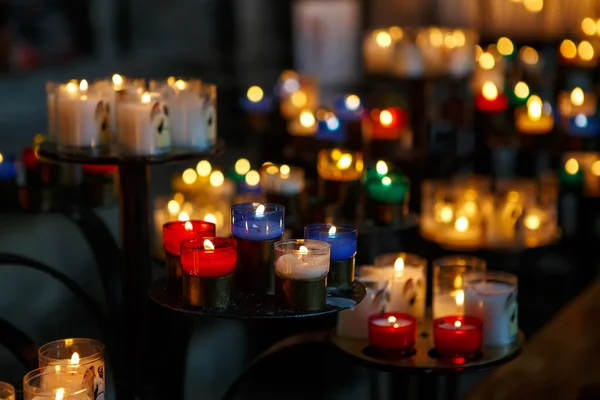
(60, 394)
(577, 96)
(255, 94)
(203, 168)
(74, 359)
(521, 90)
(386, 181)
(284, 171)
(446, 214)
(381, 167)
(386, 118)
(303, 250)
(209, 217)
(345, 161)
(83, 85)
(1, 158)
(252, 178)
(260, 210)
(487, 60)
(457, 324)
(208, 245)
(272, 169)
(383, 39)
(216, 179)
(460, 297)
(117, 80)
(242, 166)
(180, 84)
(189, 176)
(392, 319)
(571, 166)
(332, 230)
(534, 110)
(71, 87)
(461, 224)
(352, 102)
(489, 91)
(307, 119)
(399, 264)
(188, 226)
(146, 98)
(532, 222)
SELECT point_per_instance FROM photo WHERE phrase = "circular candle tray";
(51, 151)
(425, 359)
(257, 306)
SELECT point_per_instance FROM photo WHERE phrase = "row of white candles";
(176, 113)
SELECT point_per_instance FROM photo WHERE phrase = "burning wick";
(60, 393)
(457, 324)
(74, 359)
(332, 231)
(260, 211)
(188, 227)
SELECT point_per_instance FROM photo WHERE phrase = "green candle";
(391, 188)
(570, 175)
(517, 94)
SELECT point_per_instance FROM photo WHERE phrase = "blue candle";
(256, 101)
(8, 168)
(582, 126)
(348, 107)
(257, 221)
(342, 239)
(331, 129)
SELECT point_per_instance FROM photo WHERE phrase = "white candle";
(143, 127)
(302, 266)
(495, 304)
(408, 288)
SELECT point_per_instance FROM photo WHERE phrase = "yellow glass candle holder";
(298, 93)
(533, 119)
(340, 165)
(303, 124)
(575, 102)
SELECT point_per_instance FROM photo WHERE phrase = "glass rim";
(422, 261)
(345, 228)
(50, 369)
(171, 224)
(494, 276)
(60, 344)
(250, 208)
(227, 242)
(321, 246)
(443, 262)
(7, 388)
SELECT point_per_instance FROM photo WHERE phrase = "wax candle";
(583, 126)
(302, 259)
(391, 188)
(303, 124)
(71, 354)
(342, 239)
(457, 336)
(575, 102)
(348, 107)
(386, 124)
(8, 168)
(58, 383)
(282, 179)
(489, 100)
(392, 332)
(83, 118)
(256, 221)
(329, 127)
(256, 101)
(51, 94)
(492, 297)
(174, 233)
(143, 126)
(209, 256)
(532, 119)
(7, 391)
(340, 165)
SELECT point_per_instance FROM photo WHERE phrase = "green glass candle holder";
(571, 179)
(392, 188)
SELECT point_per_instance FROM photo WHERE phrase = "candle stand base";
(208, 292)
(455, 358)
(341, 274)
(378, 352)
(173, 272)
(255, 272)
(301, 294)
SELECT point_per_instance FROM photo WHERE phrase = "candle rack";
(253, 306)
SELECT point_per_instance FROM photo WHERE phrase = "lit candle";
(493, 299)
(571, 173)
(174, 233)
(457, 336)
(489, 100)
(392, 332)
(251, 183)
(340, 165)
(299, 93)
(58, 383)
(583, 126)
(378, 52)
(519, 94)
(282, 179)
(308, 262)
(575, 102)
(535, 119)
(386, 124)
(143, 126)
(8, 168)
(329, 127)
(255, 221)
(256, 101)
(391, 188)
(209, 257)
(240, 169)
(342, 239)
(348, 107)
(7, 391)
(303, 124)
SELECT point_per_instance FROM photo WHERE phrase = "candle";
(329, 127)
(7, 391)
(392, 332)
(250, 184)
(340, 165)
(299, 93)
(51, 94)
(575, 102)
(240, 169)
(448, 275)
(490, 67)
(256, 221)
(143, 126)
(378, 51)
(73, 382)
(303, 124)
(209, 257)
(387, 124)
(457, 336)
(571, 173)
(174, 233)
(301, 259)
(83, 118)
(8, 168)
(583, 126)
(489, 100)
(391, 188)
(342, 239)
(282, 179)
(256, 101)
(348, 107)
(533, 119)
(518, 94)
(492, 297)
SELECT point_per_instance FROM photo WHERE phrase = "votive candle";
(174, 233)
(209, 257)
(342, 239)
(457, 336)
(257, 221)
(392, 332)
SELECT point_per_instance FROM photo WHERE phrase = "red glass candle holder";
(209, 257)
(393, 333)
(497, 105)
(386, 124)
(457, 336)
(177, 231)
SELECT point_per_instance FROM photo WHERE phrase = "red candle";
(209, 257)
(458, 336)
(30, 160)
(392, 332)
(176, 232)
(386, 124)
(489, 100)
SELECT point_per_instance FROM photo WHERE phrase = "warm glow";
(571, 166)
(298, 99)
(189, 176)
(461, 224)
(470, 207)
(457, 324)
(460, 297)
(216, 179)
(450, 41)
(203, 168)
(595, 168)
(242, 166)
(183, 216)
(381, 167)
(60, 394)
(446, 214)
(489, 91)
(486, 60)
(272, 169)
(252, 178)
(521, 90)
(146, 99)
(171, 80)
(458, 283)
(188, 226)
(303, 250)
(386, 118)
(178, 197)
(577, 97)
(386, 181)
(534, 110)
(1, 158)
(72, 87)
(173, 207)
(383, 39)
(436, 37)
(585, 50)
(255, 94)
(529, 55)
(459, 38)
(352, 102)
(83, 86)
(533, 99)
(284, 170)
(336, 154)
(478, 52)
(332, 230)
(117, 80)
(532, 222)
(74, 359)
(513, 196)
(260, 210)
(392, 319)
(208, 245)
(307, 119)
(588, 26)
(505, 46)
(345, 161)
(180, 84)
(396, 32)
(209, 217)
(568, 49)
(533, 5)
(399, 264)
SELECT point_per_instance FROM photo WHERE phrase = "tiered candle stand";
(134, 176)
(425, 363)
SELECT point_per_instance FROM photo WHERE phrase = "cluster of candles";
(207, 271)
(472, 307)
(582, 169)
(69, 369)
(139, 119)
(468, 214)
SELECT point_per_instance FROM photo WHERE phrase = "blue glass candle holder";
(245, 188)
(8, 168)
(257, 221)
(342, 239)
(332, 130)
(348, 107)
(583, 126)
(256, 101)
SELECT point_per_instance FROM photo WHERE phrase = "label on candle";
(144, 128)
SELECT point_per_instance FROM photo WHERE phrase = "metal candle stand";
(341, 274)
(305, 294)
(208, 292)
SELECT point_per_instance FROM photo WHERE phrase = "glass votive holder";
(575, 102)
(330, 128)
(299, 92)
(301, 268)
(72, 382)
(51, 92)
(208, 266)
(256, 101)
(304, 123)
(348, 107)
(340, 165)
(492, 297)
(407, 282)
(448, 283)
(282, 179)
(257, 221)
(192, 110)
(386, 124)
(393, 333)
(7, 391)
(84, 352)
(457, 336)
